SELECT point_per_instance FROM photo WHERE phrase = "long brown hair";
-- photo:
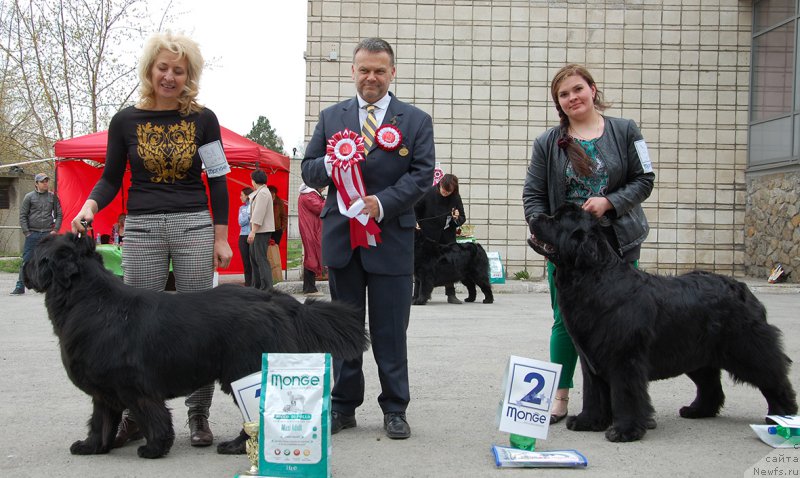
(581, 163)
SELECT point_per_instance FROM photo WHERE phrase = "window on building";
(5, 196)
(774, 138)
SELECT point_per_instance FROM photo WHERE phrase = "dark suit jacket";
(398, 182)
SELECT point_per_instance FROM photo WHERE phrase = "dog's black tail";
(333, 327)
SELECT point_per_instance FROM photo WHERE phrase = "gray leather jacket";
(40, 212)
(628, 183)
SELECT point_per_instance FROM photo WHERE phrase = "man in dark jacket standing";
(39, 215)
(372, 267)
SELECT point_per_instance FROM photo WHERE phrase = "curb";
(520, 286)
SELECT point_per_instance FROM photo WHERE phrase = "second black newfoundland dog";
(436, 265)
(133, 348)
(630, 327)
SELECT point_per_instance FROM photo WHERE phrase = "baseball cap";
(40, 177)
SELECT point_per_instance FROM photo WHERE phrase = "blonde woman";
(168, 215)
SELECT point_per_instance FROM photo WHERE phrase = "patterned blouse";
(581, 188)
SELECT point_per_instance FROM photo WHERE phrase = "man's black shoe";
(396, 425)
(339, 422)
(18, 291)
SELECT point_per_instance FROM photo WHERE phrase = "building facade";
(680, 68)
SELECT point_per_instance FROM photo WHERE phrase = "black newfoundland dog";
(133, 348)
(436, 265)
(630, 327)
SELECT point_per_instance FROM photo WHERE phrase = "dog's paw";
(488, 301)
(86, 447)
(626, 434)
(584, 423)
(237, 446)
(469, 299)
(650, 423)
(696, 412)
(150, 451)
(419, 302)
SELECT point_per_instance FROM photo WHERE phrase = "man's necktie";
(369, 127)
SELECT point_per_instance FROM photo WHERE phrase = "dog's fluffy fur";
(437, 265)
(630, 327)
(133, 348)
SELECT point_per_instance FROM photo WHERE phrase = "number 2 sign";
(528, 389)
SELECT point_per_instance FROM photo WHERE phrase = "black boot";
(309, 282)
(450, 291)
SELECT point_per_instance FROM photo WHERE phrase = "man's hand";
(371, 207)
(251, 237)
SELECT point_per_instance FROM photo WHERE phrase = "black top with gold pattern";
(161, 148)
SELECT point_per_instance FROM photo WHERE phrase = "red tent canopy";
(75, 179)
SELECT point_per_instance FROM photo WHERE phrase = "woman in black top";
(162, 139)
(439, 214)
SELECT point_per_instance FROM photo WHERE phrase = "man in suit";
(378, 274)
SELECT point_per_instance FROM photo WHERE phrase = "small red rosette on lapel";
(345, 150)
(388, 137)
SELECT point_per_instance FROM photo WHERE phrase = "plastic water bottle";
(97, 238)
(785, 432)
(522, 442)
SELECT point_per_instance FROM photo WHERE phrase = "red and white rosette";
(344, 152)
(388, 137)
(438, 174)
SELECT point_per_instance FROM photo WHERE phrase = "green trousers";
(561, 348)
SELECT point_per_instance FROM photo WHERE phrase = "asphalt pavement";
(457, 356)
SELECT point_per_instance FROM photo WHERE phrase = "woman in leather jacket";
(600, 163)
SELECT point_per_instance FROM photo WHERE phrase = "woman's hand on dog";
(86, 215)
(597, 206)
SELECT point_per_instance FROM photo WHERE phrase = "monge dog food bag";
(294, 434)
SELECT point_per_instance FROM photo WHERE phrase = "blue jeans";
(31, 240)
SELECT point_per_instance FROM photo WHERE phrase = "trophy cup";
(251, 428)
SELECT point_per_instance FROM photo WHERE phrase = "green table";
(112, 257)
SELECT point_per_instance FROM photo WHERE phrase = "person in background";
(309, 207)
(244, 231)
(439, 214)
(168, 213)
(600, 163)
(262, 224)
(280, 214)
(118, 230)
(39, 215)
(361, 270)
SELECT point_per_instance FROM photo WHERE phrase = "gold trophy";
(251, 428)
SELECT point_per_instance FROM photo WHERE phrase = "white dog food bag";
(294, 433)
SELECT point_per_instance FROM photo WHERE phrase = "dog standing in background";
(630, 327)
(437, 265)
(135, 348)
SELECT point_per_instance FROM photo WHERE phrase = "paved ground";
(457, 357)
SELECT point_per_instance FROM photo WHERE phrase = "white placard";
(644, 156)
(528, 390)
(247, 393)
(213, 157)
